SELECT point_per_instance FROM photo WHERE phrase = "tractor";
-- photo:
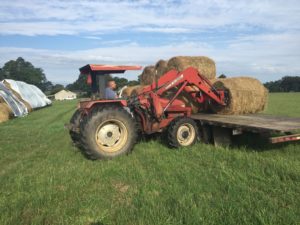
(106, 128)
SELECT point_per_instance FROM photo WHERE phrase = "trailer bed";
(251, 122)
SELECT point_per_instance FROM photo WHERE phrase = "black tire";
(182, 132)
(108, 132)
(75, 121)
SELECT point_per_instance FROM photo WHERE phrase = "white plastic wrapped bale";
(16, 106)
(29, 93)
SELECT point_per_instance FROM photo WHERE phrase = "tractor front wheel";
(108, 132)
(182, 132)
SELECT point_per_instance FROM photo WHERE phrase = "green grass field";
(45, 180)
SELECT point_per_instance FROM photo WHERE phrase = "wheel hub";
(109, 134)
(186, 134)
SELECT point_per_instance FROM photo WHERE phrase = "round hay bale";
(161, 67)
(246, 95)
(189, 102)
(137, 90)
(203, 64)
(5, 112)
(148, 75)
(132, 90)
(28, 106)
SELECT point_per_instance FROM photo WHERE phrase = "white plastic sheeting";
(17, 107)
(29, 93)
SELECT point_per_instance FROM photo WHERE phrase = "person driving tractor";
(109, 90)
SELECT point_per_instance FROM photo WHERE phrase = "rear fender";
(87, 106)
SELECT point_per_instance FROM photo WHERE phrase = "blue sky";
(254, 38)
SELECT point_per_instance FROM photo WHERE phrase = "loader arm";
(189, 81)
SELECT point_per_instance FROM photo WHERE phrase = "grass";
(46, 180)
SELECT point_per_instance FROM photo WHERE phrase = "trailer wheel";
(182, 132)
(108, 132)
(75, 122)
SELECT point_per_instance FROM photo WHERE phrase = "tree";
(23, 71)
(222, 76)
(133, 83)
(1, 74)
(285, 84)
(56, 88)
(81, 83)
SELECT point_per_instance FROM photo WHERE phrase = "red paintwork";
(109, 68)
(89, 79)
(155, 111)
(88, 105)
(287, 138)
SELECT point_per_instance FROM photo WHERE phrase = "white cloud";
(266, 57)
(36, 17)
(263, 41)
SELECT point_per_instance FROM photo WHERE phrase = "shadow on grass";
(97, 223)
(256, 142)
(246, 141)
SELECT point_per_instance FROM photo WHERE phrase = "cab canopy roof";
(106, 69)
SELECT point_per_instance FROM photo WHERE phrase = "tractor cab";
(97, 76)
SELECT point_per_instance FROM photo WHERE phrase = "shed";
(65, 95)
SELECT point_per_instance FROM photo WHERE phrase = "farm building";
(65, 95)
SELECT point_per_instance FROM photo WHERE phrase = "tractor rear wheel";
(182, 132)
(108, 132)
(75, 122)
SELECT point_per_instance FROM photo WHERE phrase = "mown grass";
(44, 179)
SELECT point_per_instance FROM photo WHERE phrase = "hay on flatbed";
(148, 75)
(161, 67)
(246, 95)
(132, 90)
(5, 112)
(203, 64)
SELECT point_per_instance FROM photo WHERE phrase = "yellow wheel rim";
(186, 134)
(111, 135)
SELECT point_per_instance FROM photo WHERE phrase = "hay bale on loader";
(5, 111)
(246, 95)
(203, 64)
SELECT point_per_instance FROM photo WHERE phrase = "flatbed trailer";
(221, 128)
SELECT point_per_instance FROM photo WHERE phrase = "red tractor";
(108, 128)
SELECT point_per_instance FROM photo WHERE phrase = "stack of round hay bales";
(246, 95)
(27, 105)
(203, 64)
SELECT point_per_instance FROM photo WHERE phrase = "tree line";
(285, 84)
(22, 70)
